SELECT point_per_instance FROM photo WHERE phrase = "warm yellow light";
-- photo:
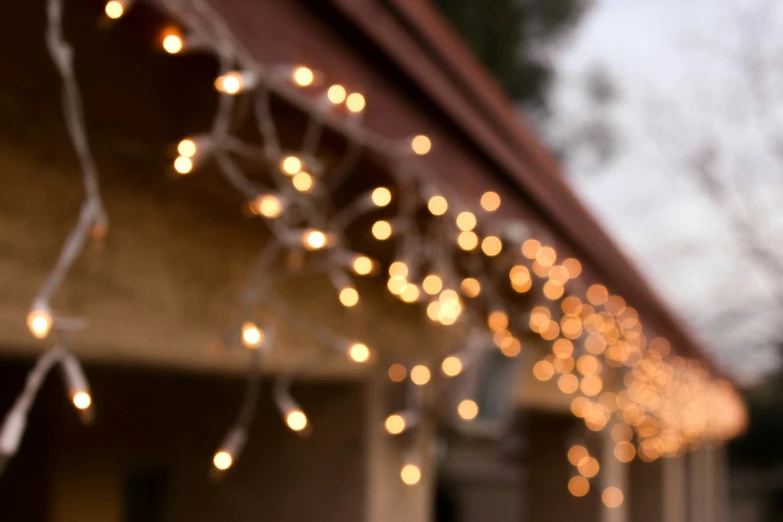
(432, 284)
(381, 230)
(612, 497)
(291, 165)
(546, 256)
(591, 385)
(349, 297)
(222, 460)
(451, 366)
(183, 165)
(397, 372)
(187, 148)
(581, 407)
(172, 42)
(491, 245)
(597, 294)
(573, 266)
(615, 305)
(530, 248)
(511, 348)
(355, 102)
(467, 240)
(252, 336)
(420, 375)
(470, 287)
(229, 83)
(624, 451)
(433, 310)
(396, 285)
(571, 305)
(558, 274)
(410, 293)
(39, 321)
(395, 424)
(381, 196)
(468, 409)
(82, 400)
(302, 181)
(296, 420)
(336, 94)
(268, 206)
(362, 265)
(303, 76)
(314, 239)
(553, 290)
(466, 221)
(114, 9)
(578, 486)
(576, 454)
(568, 383)
(543, 370)
(497, 320)
(588, 467)
(358, 352)
(587, 365)
(437, 205)
(563, 364)
(490, 201)
(421, 144)
(410, 474)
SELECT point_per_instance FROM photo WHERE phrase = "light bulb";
(291, 165)
(362, 265)
(578, 486)
(314, 239)
(612, 497)
(187, 148)
(467, 240)
(303, 76)
(470, 287)
(358, 352)
(382, 230)
(172, 41)
(466, 221)
(222, 460)
(410, 474)
(420, 375)
(437, 205)
(451, 366)
(576, 454)
(432, 284)
(114, 9)
(398, 269)
(349, 297)
(397, 372)
(252, 336)
(381, 196)
(336, 94)
(490, 201)
(355, 102)
(82, 400)
(421, 144)
(468, 409)
(183, 165)
(230, 83)
(491, 246)
(296, 420)
(395, 424)
(268, 206)
(497, 320)
(410, 293)
(39, 321)
(302, 181)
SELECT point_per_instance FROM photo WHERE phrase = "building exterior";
(162, 350)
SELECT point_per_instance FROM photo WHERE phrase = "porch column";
(675, 489)
(614, 474)
(709, 497)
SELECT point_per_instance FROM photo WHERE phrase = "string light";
(410, 293)
(222, 460)
(467, 240)
(421, 145)
(183, 165)
(381, 196)
(303, 76)
(437, 205)
(576, 454)
(612, 497)
(451, 366)
(235, 82)
(468, 409)
(314, 239)
(466, 221)
(336, 94)
(291, 165)
(491, 246)
(362, 265)
(268, 206)
(349, 297)
(252, 335)
(470, 287)
(115, 9)
(490, 201)
(397, 372)
(39, 320)
(420, 375)
(588, 467)
(432, 284)
(382, 230)
(296, 420)
(578, 486)
(395, 424)
(410, 474)
(398, 269)
(355, 102)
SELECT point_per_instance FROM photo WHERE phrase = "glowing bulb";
(296, 420)
(358, 352)
(172, 42)
(291, 165)
(432, 284)
(451, 366)
(268, 206)
(543, 370)
(470, 287)
(39, 321)
(114, 9)
(222, 460)
(410, 474)
(303, 76)
(183, 165)
(381, 196)
(490, 201)
(355, 102)
(588, 467)
(530, 248)
(252, 336)
(497, 320)
(302, 181)
(82, 400)
(362, 265)
(398, 269)
(491, 246)
(466, 221)
(578, 486)
(187, 148)
(568, 383)
(421, 145)
(612, 497)
(468, 409)
(420, 375)
(336, 94)
(314, 239)
(229, 83)
(437, 205)
(410, 293)
(381, 230)
(573, 266)
(397, 372)
(467, 240)
(395, 424)
(349, 297)
(576, 454)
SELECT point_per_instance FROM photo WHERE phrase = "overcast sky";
(675, 64)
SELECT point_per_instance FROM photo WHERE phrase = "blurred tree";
(515, 39)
